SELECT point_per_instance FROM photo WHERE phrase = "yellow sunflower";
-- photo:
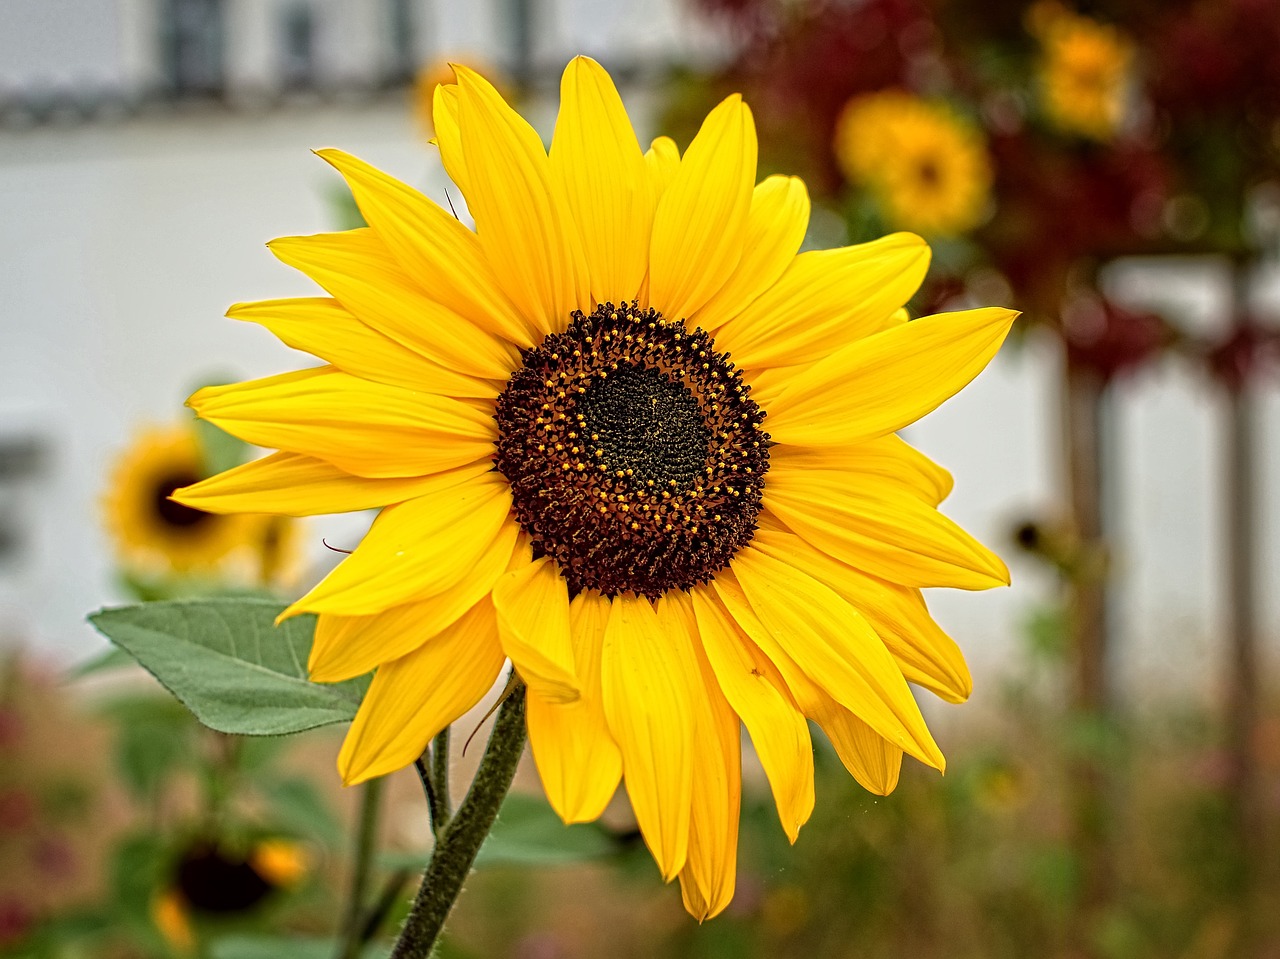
(150, 530)
(1084, 71)
(563, 416)
(926, 166)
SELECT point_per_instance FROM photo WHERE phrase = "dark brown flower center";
(635, 455)
(171, 513)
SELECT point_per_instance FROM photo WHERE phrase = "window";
(192, 37)
(298, 47)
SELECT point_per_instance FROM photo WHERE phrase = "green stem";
(440, 779)
(460, 840)
(366, 841)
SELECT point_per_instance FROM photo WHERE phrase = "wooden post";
(1087, 615)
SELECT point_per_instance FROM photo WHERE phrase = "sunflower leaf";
(226, 661)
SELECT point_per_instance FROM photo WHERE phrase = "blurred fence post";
(1087, 600)
(1239, 467)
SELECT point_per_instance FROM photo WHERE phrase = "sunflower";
(150, 530)
(563, 417)
(925, 165)
(1084, 71)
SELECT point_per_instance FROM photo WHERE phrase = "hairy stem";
(459, 841)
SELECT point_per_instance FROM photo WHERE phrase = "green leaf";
(154, 740)
(285, 947)
(113, 658)
(298, 806)
(227, 662)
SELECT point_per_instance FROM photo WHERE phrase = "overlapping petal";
(887, 381)
(364, 428)
(759, 695)
(885, 531)
(649, 682)
(826, 300)
(832, 644)
(701, 222)
(357, 268)
(433, 247)
(776, 225)
(578, 762)
(597, 164)
(417, 549)
(414, 697)
(349, 646)
(532, 602)
(445, 110)
(886, 459)
(522, 216)
(289, 484)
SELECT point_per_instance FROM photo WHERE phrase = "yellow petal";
(882, 383)
(759, 695)
(444, 115)
(348, 646)
(597, 163)
(358, 269)
(578, 761)
(649, 678)
(433, 247)
(322, 327)
(707, 880)
(884, 459)
(870, 758)
(834, 646)
(521, 216)
(882, 530)
(413, 698)
(363, 428)
(288, 484)
(826, 300)
(776, 226)
(927, 656)
(532, 602)
(701, 222)
(662, 161)
(417, 549)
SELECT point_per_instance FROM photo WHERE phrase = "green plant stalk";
(460, 840)
(366, 839)
(440, 778)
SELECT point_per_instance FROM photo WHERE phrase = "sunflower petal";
(707, 879)
(834, 647)
(701, 222)
(927, 656)
(870, 758)
(417, 549)
(322, 327)
(649, 679)
(884, 459)
(776, 225)
(433, 247)
(413, 698)
(358, 269)
(596, 160)
(578, 761)
(367, 429)
(533, 620)
(887, 532)
(521, 216)
(288, 484)
(758, 694)
(882, 383)
(445, 108)
(825, 300)
(662, 160)
(349, 646)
